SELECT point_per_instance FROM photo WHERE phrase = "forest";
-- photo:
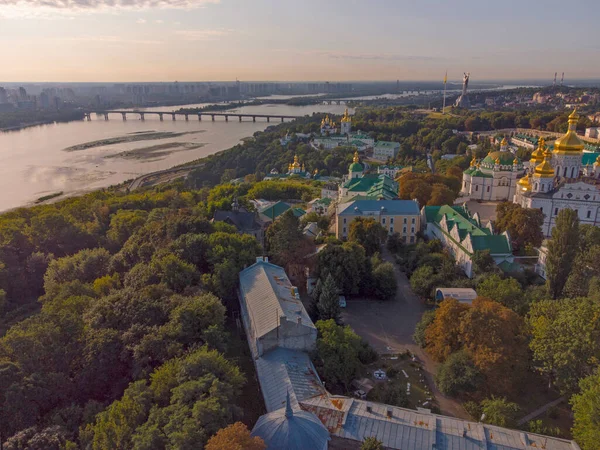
(124, 348)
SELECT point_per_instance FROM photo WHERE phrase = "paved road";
(389, 326)
(135, 184)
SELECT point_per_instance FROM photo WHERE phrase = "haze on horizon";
(344, 40)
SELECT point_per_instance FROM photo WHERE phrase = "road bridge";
(212, 114)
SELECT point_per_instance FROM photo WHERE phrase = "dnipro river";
(34, 162)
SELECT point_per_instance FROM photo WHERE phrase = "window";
(477, 188)
(488, 189)
(383, 221)
(412, 239)
(391, 229)
(405, 220)
(543, 186)
(555, 211)
(391, 220)
(344, 230)
(413, 221)
(344, 220)
(565, 173)
(412, 230)
(589, 214)
(404, 230)
(542, 210)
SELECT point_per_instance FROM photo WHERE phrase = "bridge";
(161, 114)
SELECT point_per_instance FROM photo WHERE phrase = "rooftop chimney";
(390, 413)
(369, 408)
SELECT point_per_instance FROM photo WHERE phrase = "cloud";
(140, 21)
(377, 56)
(203, 35)
(60, 8)
(108, 39)
(159, 21)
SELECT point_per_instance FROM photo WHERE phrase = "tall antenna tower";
(554, 84)
(562, 78)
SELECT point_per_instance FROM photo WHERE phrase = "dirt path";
(541, 410)
(389, 326)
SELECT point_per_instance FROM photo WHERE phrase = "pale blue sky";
(185, 40)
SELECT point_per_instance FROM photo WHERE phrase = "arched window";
(565, 173)
(536, 186)
(573, 172)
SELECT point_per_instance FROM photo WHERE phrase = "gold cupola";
(296, 163)
(346, 117)
(545, 170)
(524, 183)
(570, 142)
(473, 162)
(504, 142)
(538, 154)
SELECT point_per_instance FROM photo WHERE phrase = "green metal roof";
(275, 210)
(589, 158)
(506, 158)
(458, 217)
(356, 167)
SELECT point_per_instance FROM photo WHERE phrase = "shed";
(463, 295)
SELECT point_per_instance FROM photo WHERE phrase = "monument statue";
(463, 100)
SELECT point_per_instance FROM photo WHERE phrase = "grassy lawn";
(384, 390)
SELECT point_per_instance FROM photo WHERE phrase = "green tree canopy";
(586, 411)
(562, 250)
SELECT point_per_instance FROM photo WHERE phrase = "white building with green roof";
(494, 178)
(462, 234)
(384, 150)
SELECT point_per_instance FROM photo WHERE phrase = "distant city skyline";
(221, 40)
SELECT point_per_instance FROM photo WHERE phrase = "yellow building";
(396, 216)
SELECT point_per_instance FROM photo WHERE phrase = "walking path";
(138, 182)
(541, 410)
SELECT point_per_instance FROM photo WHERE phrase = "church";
(562, 178)
(494, 178)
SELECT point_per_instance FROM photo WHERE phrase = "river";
(34, 162)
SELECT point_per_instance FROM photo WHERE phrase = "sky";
(300, 40)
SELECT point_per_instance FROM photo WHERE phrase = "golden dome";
(545, 170)
(497, 161)
(597, 160)
(346, 117)
(538, 154)
(296, 163)
(570, 142)
(524, 183)
(473, 162)
(516, 161)
(504, 142)
(355, 159)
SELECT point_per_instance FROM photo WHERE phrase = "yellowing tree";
(235, 437)
(442, 337)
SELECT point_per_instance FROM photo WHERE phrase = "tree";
(482, 262)
(384, 279)
(347, 263)
(441, 195)
(562, 250)
(524, 225)
(395, 243)
(328, 305)
(423, 280)
(498, 411)
(368, 233)
(586, 411)
(566, 339)
(585, 267)
(285, 240)
(426, 319)
(235, 437)
(371, 443)
(502, 290)
(338, 352)
(442, 337)
(123, 224)
(457, 374)
(495, 339)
